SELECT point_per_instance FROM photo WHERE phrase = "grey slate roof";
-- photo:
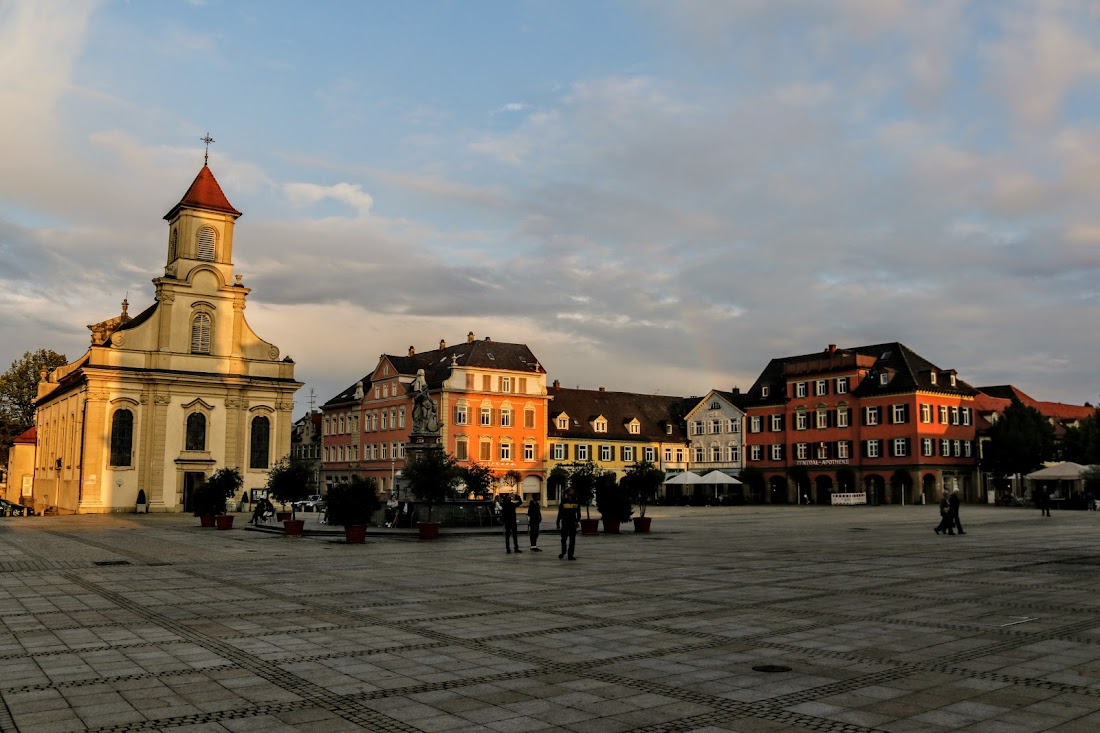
(653, 412)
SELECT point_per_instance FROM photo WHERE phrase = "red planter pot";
(225, 521)
(283, 516)
(428, 530)
(294, 527)
(610, 526)
(590, 526)
(206, 520)
(355, 534)
(641, 524)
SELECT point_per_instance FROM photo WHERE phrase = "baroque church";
(162, 399)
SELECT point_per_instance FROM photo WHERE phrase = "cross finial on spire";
(207, 140)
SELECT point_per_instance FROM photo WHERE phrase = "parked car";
(11, 509)
(310, 503)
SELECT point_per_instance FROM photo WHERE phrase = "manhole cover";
(112, 562)
(771, 668)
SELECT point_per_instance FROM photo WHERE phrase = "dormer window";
(563, 422)
(600, 425)
(933, 375)
(668, 428)
(953, 380)
(765, 391)
(634, 428)
(884, 378)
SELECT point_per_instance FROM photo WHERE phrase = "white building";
(715, 431)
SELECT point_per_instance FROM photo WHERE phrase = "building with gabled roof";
(19, 474)
(162, 399)
(714, 426)
(490, 397)
(615, 429)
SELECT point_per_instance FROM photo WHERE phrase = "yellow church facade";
(162, 399)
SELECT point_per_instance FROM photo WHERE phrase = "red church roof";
(205, 193)
(30, 435)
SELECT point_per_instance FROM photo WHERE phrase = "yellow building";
(615, 429)
(162, 399)
(20, 471)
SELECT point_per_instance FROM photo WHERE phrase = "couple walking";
(569, 516)
(949, 514)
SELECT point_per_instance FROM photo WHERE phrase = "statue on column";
(424, 417)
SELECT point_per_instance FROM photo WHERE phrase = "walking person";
(534, 519)
(953, 511)
(946, 524)
(1044, 501)
(569, 516)
(508, 515)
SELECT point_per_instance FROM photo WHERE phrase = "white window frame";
(628, 453)
(559, 451)
(650, 453)
(842, 415)
(755, 452)
(582, 452)
(926, 413)
(505, 450)
(505, 417)
(899, 414)
(873, 448)
(777, 423)
(607, 453)
(528, 451)
(842, 385)
(871, 415)
(755, 424)
(462, 414)
(822, 419)
(900, 448)
(927, 447)
(801, 451)
(842, 449)
(801, 420)
(800, 389)
(486, 417)
(777, 451)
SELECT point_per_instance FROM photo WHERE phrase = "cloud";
(312, 193)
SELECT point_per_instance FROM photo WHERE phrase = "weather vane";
(207, 140)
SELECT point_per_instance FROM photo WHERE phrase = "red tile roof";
(30, 435)
(205, 193)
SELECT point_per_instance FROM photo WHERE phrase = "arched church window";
(122, 437)
(196, 432)
(173, 248)
(207, 237)
(200, 334)
(261, 438)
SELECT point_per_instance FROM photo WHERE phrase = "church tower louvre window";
(174, 247)
(200, 334)
(206, 240)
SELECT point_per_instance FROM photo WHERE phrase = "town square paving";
(866, 619)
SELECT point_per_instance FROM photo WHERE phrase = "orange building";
(490, 398)
(878, 419)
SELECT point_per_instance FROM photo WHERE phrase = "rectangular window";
(755, 424)
(628, 454)
(966, 448)
(734, 454)
(679, 455)
(927, 447)
(765, 391)
(469, 381)
(777, 423)
(716, 453)
(486, 450)
(505, 384)
(901, 448)
(870, 415)
(733, 425)
(528, 451)
(945, 447)
(802, 451)
(800, 389)
(715, 426)
(486, 416)
(563, 423)
(755, 452)
(821, 388)
(650, 454)
(635, 428)
(943, 414)
(385, 420)
(842, 417)
(822, 451)
(462, 415)
(668, 455)
(385, 453)
(582, 452)
(966, 415)
(926, 413)
(522, 389)
(822, 419)
(559, 452)
(900, 414)
(605, 453)
(505, 418)
(505, 451)
(957, 448)
(801, 421)
(700, 454)
(401, 417)
(872, 449)
(462, 451)
(777, 451)
(954, 416)
(529, 419)
(696, 427)
(400, 450)
(842, 449)
(842, 385)
(486, 383)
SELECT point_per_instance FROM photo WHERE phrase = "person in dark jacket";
(534, 519)
(953, 503)
(946, 521)
(569, 516)
(508, 506)
(1044, 502)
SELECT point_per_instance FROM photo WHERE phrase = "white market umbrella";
(1068, 471)
(716, 477)
(687, 477)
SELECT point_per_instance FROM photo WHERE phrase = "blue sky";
(655, 196)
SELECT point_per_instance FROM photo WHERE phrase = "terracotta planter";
(225, 521)
(641, 524)
(590, 526)
(428, 530)
(610, 526)
(355, 534)
(294, 527)
(206, 520)
(283, 516)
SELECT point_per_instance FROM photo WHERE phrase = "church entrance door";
(191, 481)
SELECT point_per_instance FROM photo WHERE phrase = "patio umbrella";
(687, 477)
(716, 478)
(1068, 471)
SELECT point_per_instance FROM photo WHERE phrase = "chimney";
(488, 339)
(557, 384)
(412, 351)
(832, 348)
(601, 388)
(470, 337)
(737, 390)
(442, 344)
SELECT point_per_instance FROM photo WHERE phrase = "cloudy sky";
(655, 196)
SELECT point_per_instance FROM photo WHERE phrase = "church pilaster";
(94, 461)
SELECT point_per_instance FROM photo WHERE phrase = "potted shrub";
(612, 502)
(582, 479)
(642, 481)
(290, 480)
(141, 506)
(211, 495)
(351, 506)
(432, 475)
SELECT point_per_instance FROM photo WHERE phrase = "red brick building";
(878, 419)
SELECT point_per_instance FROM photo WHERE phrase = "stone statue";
(424, 418)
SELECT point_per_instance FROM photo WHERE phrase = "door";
(191, 481)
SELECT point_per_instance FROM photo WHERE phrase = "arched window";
(196, 432)
(200, 334)
(206, 238)
(261, 439)
(122, 437)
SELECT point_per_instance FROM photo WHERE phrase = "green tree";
(611, 499)
(19, 389)
(290, 480)
(478, 479)
(1019, 441)
(642, 481)
(582, 479)
(211, 495)
(432, 475)
(557, 480)
(353, 502)
(511, 479)
(1081, 444)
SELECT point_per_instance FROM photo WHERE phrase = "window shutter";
(908, 446)
(863, 448)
